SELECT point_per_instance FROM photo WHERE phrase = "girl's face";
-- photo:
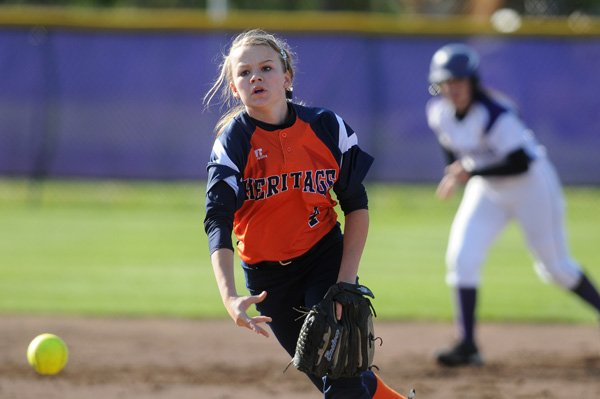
(258, 78)
(458, 91)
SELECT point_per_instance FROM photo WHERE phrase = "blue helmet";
(454, 60)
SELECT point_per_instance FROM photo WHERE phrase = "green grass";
(139, 249)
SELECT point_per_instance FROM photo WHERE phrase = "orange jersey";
(283, 177)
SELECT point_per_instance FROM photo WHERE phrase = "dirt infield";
(172, 358)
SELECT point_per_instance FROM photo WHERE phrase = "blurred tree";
(554, 7)
(435, 7)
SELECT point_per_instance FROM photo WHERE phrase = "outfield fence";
(119, 94)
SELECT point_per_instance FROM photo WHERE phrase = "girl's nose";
(255, 77)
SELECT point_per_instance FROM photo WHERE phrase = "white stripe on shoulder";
(345, 142)
(232, 181)
(221, 156)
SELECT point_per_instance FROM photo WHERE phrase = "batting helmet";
(454, 60)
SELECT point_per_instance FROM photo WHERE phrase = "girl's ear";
(234, 90)
(287, 81)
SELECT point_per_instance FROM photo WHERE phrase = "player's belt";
(279, 263)
(318, 247)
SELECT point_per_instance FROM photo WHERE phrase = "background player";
(507, 176)
(272, 168)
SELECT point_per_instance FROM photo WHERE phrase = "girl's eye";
(244, 73)
(266, 68)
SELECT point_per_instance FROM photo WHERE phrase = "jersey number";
(312, 219)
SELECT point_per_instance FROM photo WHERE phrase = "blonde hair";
(254, 37)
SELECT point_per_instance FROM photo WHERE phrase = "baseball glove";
(344, 348)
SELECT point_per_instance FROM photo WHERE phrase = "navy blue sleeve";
(349, 187)
(449, 156)
(220, 207)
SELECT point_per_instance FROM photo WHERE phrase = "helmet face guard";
(453, 61)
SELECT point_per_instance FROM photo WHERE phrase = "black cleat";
(462, 354)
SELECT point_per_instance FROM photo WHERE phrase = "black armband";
(515, 163)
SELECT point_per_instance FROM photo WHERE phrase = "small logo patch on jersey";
(312, 220)
(259, 154)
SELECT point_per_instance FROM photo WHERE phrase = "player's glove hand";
(343, 348)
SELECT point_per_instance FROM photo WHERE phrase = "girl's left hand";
(446, 187)
(459, 172)
(455, 174)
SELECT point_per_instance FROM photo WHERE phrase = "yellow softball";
(47, 354)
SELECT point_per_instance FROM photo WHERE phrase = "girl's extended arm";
(237, 306)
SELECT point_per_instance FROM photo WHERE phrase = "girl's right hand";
(237, 308)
